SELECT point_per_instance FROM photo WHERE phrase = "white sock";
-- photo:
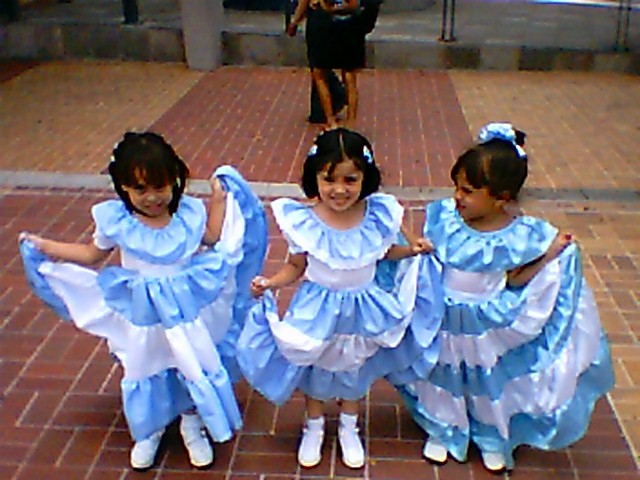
(315, 424)
(348, 421)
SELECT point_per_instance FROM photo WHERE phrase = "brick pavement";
(60, 408)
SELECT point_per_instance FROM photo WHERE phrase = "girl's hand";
(218, 193)
(421, 245)
(259, 285)
(562, 241)
(37, 241)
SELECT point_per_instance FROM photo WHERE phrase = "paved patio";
(60, 409)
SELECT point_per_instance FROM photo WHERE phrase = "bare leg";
(315, 408)
(324, 94)
(351, 85)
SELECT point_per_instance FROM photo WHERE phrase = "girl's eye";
(327, 179)
(351, 179)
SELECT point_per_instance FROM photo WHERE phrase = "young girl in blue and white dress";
(523, 355)
(171, 312)
(341, 331)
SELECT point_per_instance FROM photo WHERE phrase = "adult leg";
(324, 94)
(350, 81)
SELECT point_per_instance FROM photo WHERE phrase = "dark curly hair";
(149, 158)
(333, 147)
(495, 164)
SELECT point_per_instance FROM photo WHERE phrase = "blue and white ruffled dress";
(168, 311)
(341, 331)
(517, 366)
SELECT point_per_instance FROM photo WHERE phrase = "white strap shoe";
(351, 445)
(435, 451)
(196, 441)
(310, 450)
(493, 461)
(143, 453)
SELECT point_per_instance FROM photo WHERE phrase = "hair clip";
(313, 150)
(368, 156)
(500, 131)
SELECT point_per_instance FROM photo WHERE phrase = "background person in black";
(335, 37)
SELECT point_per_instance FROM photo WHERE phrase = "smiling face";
(340, 189)
(475, 205)
(151, 201)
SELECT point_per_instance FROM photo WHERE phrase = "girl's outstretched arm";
(82, 253)
(417, 245)
(215, 213)
(291, 271)
(520, 276)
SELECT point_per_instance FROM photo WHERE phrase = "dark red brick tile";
(540, 474)
(32, 472)
(42, 409)
(453, 470)
(267, 443)
(83, 447)
(394, 469)
(107, 474)
(8, 471)
(117, 458)
(385, 422)
(608, 462)
(50, 447)
(271, 463)
(395, 449)
(557, 460)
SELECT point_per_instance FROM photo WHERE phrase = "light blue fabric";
(178, 240)
(463, 248)
(254, 250)
(566, 426)
(322, 314)
(458, 245)
(166, 300)
(426, 321)
(172, 301)
(341, 249)
(154, 402)
(32, 258)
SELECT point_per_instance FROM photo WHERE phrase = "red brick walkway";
(60, 409)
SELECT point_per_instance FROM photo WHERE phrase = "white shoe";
(143, 453)
(493, 461)
(196, 441)
(351, 445)
(435, 451)
(310, 450)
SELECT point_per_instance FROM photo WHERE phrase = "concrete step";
(488, 35)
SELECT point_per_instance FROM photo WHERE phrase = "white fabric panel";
(333, 279)
(472, 287)
(78, 287)
(144, 351)
(219, 314)
(486, 349)
(131, 262)
(553, 386)
(233, 228)
(442, 405)
(340, 353)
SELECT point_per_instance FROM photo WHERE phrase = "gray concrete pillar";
(202, 32)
